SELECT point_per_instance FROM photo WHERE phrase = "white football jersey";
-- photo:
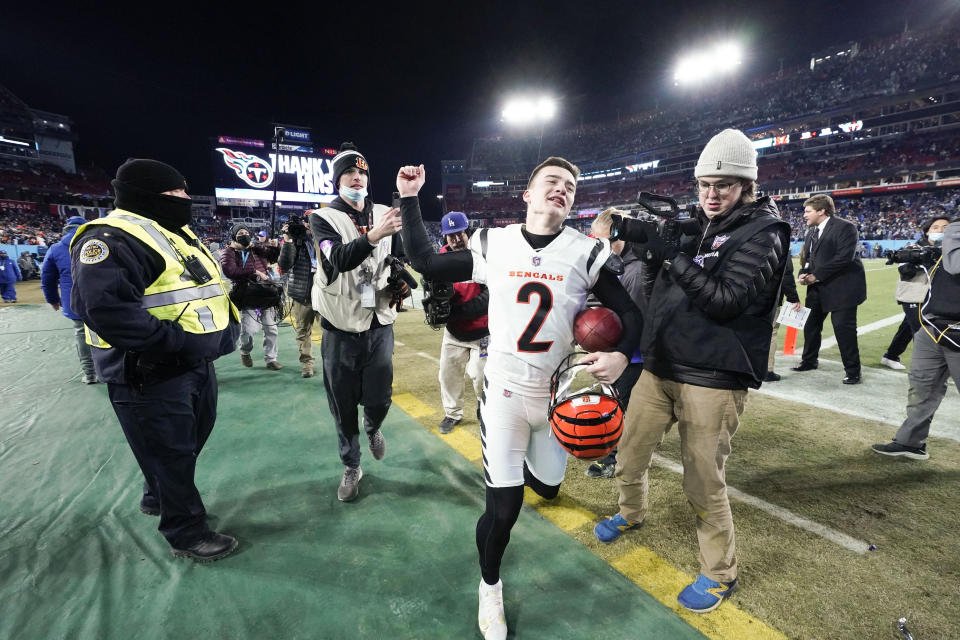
(534, 297)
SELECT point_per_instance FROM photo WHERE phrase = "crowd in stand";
(40, 228)
(885, 67)
(46, 183)
(893, 217)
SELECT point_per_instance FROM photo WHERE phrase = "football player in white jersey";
(539, 275)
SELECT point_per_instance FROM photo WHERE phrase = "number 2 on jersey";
(526, 341)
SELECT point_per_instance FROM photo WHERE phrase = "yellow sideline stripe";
(663, 581)
(641, 566)
(464, 443)
(562, 511)
(412, 405)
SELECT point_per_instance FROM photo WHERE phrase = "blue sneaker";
(705, 595)
(611, 528)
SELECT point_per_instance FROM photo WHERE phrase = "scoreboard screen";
(243, 170)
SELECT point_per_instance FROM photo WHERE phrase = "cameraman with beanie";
(298, 260)
(706, 337)
(245, 263)
(157, 315)
(356, 297)
(57, 283)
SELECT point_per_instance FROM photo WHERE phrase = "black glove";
(670, 239)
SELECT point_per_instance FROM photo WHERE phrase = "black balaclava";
(140, 185)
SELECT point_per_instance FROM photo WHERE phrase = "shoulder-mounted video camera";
(925, 255)
(657, 229)
(436, 302)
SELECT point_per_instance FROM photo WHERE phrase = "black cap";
(151, 176)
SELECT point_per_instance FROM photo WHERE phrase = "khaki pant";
(773, 346)
(456, 359)
(706, 420)
(303, 317)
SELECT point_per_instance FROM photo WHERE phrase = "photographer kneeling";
(706, 337)
(936, 346)
(247, 266)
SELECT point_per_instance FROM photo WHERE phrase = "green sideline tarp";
(78, 559)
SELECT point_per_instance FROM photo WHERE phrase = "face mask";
(244, 240)
(353, 195)
(935, 237)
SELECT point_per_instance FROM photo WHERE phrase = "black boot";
(211, 546)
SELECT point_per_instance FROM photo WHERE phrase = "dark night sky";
(406, 86)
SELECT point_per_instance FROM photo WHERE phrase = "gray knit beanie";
(729, 153)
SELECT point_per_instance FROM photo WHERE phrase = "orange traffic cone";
(790, 341)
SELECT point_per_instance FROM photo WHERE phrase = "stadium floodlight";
(528, 110)
(720, 60)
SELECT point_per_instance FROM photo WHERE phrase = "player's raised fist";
(410, 180)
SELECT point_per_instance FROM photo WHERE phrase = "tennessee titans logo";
(255, 171)
(536, 261)
(718, 241)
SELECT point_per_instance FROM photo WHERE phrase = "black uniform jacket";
(108, 298)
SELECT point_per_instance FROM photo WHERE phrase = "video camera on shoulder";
(436, 302)
(659, 220)
(926, 255)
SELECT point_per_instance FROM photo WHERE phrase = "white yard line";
(841, 539)
(867, 328)
(428, 357)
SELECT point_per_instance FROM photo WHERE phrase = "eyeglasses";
(722, 188)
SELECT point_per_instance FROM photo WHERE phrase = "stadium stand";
(866, 122)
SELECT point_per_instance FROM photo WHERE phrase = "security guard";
(157, 314)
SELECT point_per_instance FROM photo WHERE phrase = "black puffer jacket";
(710, 315)
(295, 262)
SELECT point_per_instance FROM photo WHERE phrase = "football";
(597, 329)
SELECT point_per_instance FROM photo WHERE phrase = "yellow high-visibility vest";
(197, 308)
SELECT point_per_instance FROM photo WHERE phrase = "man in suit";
(836, 284)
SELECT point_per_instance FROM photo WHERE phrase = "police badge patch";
(94, 251)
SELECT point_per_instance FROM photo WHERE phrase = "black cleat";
(804, 366)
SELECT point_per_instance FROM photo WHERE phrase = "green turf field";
(817, 465)
(814, 463)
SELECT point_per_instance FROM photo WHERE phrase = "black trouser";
(357, 369)
(904, 334)
(844, 328)
(166, 424)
